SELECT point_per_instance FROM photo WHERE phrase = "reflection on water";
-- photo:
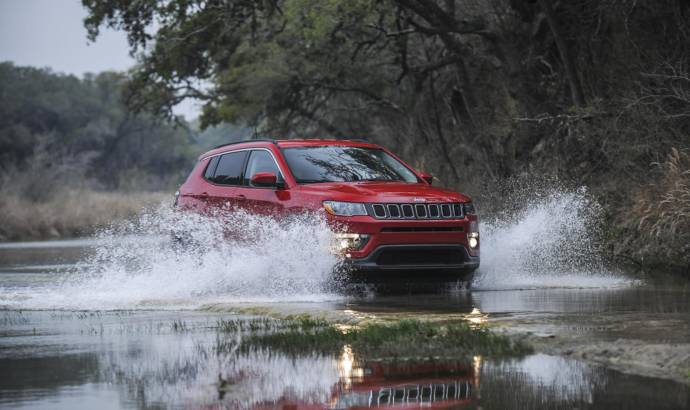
(142, 360)
(159, 359)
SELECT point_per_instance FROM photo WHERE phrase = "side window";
(229, 168)
(211, 168)
(260, 161)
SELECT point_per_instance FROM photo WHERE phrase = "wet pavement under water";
(151, 357)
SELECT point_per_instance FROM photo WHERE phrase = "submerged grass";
(404, 338)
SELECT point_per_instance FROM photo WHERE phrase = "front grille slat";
(446, 210)
(394, 211)
(458, 211)
(407, 210)
(432, 211)
(379, 211)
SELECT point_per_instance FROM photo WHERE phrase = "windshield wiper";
(312, 181)
(379, 180)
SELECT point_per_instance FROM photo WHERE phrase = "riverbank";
(71, 213)
(638, 331)
(669, 361)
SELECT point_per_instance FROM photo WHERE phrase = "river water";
(125, 339)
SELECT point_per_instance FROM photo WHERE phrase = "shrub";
(663, 208)
(69, 212)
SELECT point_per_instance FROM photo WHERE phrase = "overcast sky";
(51, 33)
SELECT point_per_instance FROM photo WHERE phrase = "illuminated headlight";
(344, 208)
(349, 241)
(473, 239)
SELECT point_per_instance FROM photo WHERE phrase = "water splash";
(550, 241)
(225, 258)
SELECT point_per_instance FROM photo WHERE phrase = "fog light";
(349, 241)
(473, 239)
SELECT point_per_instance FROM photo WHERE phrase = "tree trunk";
(563, 51)
(450, 8)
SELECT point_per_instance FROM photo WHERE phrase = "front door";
(268, 201)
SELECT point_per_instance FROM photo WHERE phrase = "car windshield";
(345, 164)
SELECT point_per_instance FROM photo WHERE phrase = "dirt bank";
(653, 354)
(661, 360)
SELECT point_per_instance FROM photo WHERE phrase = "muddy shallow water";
(156, 350)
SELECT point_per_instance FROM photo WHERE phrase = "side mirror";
(264, 179)
(427, 177)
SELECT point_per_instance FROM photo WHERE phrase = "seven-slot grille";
(416, 211)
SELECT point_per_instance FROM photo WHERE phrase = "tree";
(478, 87)
(86, 125)
(564, 52)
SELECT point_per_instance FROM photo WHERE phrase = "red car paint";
(409, 244)
(398, 385)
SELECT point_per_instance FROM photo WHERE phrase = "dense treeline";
(72, 156)
(475, 91)
(64, 130)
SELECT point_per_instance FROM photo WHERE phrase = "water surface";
(168, 352)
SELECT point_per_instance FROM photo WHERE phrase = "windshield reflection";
(345, 164)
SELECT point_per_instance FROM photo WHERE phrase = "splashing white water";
(227, 258)
(550, 242)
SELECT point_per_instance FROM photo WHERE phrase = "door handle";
(242, 197)
(203, 194)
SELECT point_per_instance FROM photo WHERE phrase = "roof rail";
(243, 141)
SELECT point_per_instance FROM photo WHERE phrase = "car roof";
(321, 143)
(293, 143)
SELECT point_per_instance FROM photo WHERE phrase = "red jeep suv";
(389, 220)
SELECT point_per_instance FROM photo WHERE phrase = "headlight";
(344, 208)
(473, 234)
(469, 208)
(473, 239)
(349, 241)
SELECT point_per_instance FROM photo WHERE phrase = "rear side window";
(260, 161)
(229, 169)
(211, 168)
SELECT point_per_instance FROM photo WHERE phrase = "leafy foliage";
(484, 86)
(57, 130)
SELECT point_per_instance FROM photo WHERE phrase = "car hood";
(382, 192)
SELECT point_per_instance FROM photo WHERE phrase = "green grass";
(404, 338)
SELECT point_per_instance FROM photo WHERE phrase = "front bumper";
(415, 235)
(417, 257)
